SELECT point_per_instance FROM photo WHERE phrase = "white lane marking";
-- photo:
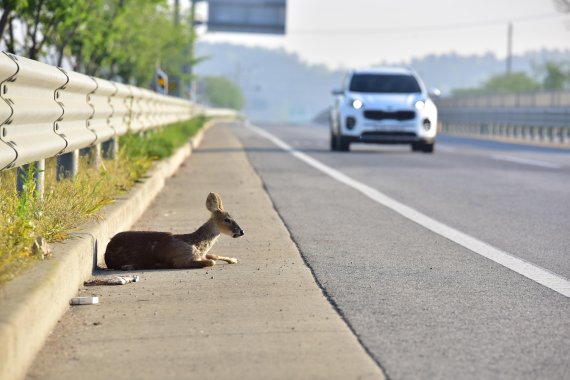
(526, 161)
(540, 275)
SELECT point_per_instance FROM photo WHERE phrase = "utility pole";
(192, 20)
(174, 79)
(509, 48)
(176, 12)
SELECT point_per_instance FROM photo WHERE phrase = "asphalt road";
(424, 306)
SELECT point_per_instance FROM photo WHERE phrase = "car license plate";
(385, 127)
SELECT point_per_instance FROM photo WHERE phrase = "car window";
(384, 83)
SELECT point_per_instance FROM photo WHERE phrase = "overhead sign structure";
(247, 16)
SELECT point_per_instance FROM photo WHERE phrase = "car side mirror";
(434, 93)
(337, 92)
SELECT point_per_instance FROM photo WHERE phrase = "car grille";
(397, 115)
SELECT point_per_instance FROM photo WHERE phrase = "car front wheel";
(423, 147)
(339, 143)
(343, 144)
(428, 147)
(334, 142)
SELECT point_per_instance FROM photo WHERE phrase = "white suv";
(383, 106)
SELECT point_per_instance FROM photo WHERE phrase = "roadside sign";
(161, 81)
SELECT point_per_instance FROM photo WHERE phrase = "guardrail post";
(111, 148)
(532, 133)
(93, 154)
(550, 136)
(39, 176)
(67, 165)
(543, 134)
(529, 134)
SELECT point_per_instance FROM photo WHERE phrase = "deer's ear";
(214, 202)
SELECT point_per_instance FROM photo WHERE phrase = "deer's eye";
(227, 221)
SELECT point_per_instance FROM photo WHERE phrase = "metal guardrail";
(541, 116)
(46, 111)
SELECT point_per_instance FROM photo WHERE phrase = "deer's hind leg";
(186, 256)
(229, 260)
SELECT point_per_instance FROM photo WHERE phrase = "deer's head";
(225, 223)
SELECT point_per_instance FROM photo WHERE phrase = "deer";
(134, 250)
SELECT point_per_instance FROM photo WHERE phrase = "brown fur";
(160, 250)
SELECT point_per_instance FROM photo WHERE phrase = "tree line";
(550, 76)
(122, 40)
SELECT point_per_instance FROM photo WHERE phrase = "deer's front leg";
(229, 260)
(189, 262)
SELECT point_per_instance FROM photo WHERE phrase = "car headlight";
(420, 105)
(356, 104)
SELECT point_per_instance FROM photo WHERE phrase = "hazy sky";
(353, 33)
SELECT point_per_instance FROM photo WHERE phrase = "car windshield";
(384, 83)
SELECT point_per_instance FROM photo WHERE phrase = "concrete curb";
(31, 304)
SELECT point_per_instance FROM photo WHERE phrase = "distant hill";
(279, 86)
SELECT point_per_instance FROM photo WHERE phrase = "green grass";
(161, 143)
(68, 204)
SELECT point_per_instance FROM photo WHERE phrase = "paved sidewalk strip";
(263, 318)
